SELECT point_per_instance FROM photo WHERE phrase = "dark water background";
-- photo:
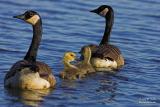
(67, 26)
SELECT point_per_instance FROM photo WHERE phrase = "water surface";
(67, 26)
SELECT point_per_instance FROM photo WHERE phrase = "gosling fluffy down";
(79, 70)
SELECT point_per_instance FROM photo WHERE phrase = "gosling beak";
(94, 11)
(22, 16)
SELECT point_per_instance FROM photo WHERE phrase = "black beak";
(22, 16)
(94, 11)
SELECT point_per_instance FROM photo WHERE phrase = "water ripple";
(67, 26)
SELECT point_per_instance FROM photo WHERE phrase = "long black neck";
(33, 49)
(109, 23)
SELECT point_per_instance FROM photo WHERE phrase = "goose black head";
(103, 10)
(29, 16)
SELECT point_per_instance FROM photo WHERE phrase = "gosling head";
(69, 56)
(103, 10)
(86, 51)
(92, 48)
(29, 16)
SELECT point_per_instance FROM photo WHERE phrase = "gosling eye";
(72, 55)
(31, 14)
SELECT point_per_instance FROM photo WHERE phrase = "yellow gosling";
(70, 71)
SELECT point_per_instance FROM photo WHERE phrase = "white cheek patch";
(104, 12)
(33, 20)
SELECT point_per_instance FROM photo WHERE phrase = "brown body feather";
(44, 71)
(110, 52)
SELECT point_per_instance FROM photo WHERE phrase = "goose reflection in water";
(29, 97)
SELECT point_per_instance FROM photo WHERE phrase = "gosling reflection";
(29, 97)
(108, 86)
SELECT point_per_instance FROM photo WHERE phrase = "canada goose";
(29, 73)
(78, 70)
(106, 57)
(70, 71)
(85, 65)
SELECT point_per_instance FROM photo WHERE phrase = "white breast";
(26, 79)
(103, 64)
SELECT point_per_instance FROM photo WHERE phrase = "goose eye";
(31, 14)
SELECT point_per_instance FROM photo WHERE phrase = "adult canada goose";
(70, 71)
(106, 57)
(29, 73)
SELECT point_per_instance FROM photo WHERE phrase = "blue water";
(67, 26)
